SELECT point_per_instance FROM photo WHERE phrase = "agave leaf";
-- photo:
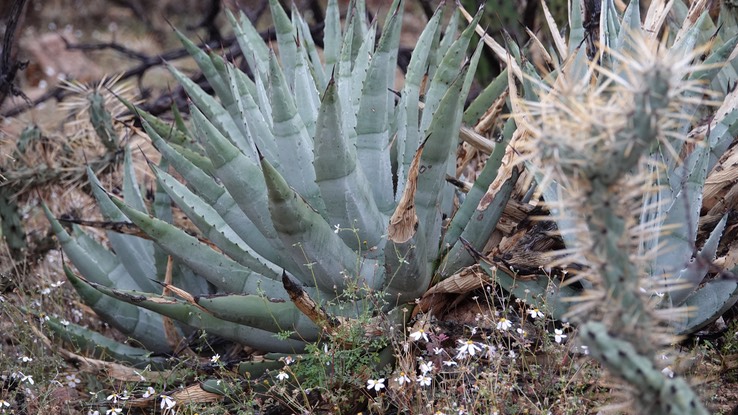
(95, 344)
(397, 7)
(221, 201)
(372, 122)
(331, 36)
(311, 241)
(485, 98)
(405, 256)
(609, 30)
(221, 271)
(576, 26)
(215, 112)
(100, 269)
(630, 25)
(163, 129)
(205, 63)
(446, 73)
(359, 71)
(259, 129)
(295, 148)
(483, 222)
(441, 46)
(144, 326)
(286, 36)
(134, 253)
(693, 274)
(341, 182)
(245, 183)
(315, 68)
(707, 303)
(306, 94)
(255, 51)
(443, 136)
(344, 79)
(538, 293)
(131, 191)
(462, 217)
(271, 314)
(195, 317)
(213, 227)
(408, 135)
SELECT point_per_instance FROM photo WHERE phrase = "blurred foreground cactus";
(318, 194)
(619, 138)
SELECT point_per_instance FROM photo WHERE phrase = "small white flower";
(668, 372)
(512, 354)
(504, 324)
(215, 359)
(535, 313)
(25, 359)
(426, 368)
(27, 378)
(467, 347)
(282, 376)
(113, 411)
(337, 228)
(64, 322)
(377, 385)
(72, 380)
(150, 391)
(559, 335)
(437, 350)
(424, 380)
(289, 360)
(167, 402)
(93, 412)
(4, 404)
(418, 334)
(450, 363)
(402, 379)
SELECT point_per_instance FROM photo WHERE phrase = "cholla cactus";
(620, 158)
(290, 175)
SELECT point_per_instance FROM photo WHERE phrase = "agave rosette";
(310, 174)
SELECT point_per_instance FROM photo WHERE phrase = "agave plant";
(311, 175)
(619, 138)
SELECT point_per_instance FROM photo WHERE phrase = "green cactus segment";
(272, 314)
(655, 393)
(372, 127)
(294, 146)
(102, 122)
(221, 271)
(142, 325)
(11, 224)
(100, 347)
(313, 242)
(195, 317)
(342, 184)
